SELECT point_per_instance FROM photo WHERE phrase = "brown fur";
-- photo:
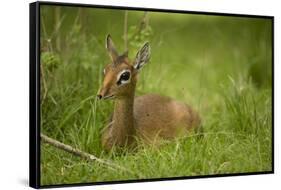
(149, 117)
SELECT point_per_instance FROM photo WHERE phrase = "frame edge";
(34, 138)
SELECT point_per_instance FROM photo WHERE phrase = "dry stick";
(80, 153)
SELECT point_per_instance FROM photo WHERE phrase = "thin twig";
(81, 153)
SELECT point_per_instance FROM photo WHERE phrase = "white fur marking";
(119, 75)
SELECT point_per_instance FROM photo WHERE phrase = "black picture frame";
(34, 92)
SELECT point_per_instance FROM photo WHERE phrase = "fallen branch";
(80, 153)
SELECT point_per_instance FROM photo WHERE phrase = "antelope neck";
(123, 119)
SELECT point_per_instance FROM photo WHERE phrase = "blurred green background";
(220, 65)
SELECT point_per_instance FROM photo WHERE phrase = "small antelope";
(148, 117)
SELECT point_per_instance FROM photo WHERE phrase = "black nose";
(99, 96)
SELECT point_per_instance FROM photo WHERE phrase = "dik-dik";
(149, 117)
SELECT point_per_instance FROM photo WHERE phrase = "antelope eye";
(125, 76)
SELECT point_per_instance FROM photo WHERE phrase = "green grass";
(221, 66)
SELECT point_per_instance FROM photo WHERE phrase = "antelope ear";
(142, 56)
(111, 48)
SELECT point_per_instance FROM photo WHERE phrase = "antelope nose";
(99, 96)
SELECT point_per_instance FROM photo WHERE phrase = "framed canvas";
(120, 94)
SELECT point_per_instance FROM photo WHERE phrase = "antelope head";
(120, 76)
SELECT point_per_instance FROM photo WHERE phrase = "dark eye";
(125, 76)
